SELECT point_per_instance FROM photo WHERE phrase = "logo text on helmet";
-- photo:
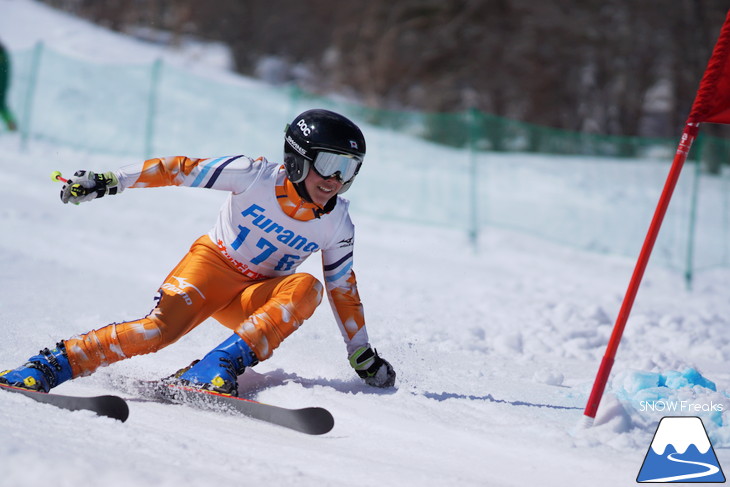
(296, 146)
(303, 127)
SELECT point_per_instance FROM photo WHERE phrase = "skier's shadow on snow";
(250, 383)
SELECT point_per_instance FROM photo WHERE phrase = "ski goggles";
(345, 166)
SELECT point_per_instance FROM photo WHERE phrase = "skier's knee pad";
(294, 300)
(302, 293)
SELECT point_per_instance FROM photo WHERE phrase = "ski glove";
(371, 367)
(86, 185)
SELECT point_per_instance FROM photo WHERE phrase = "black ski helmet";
(319, 130)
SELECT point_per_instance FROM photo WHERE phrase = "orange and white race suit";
(243, 272)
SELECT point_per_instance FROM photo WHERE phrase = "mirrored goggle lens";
(328, 164)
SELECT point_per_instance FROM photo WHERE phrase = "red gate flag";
(712, 105)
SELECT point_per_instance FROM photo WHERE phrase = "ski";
(310, 420)
(110, 406)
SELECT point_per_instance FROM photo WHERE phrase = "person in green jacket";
(4, 84)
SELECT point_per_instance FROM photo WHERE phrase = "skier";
(242, 273)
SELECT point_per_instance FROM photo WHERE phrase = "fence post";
(30, 95)
(152, 108)
(471, 117)
(692, 226)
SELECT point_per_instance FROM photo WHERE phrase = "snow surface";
(496, 347)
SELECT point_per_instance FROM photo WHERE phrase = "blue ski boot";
(41, 372)
(219, 370)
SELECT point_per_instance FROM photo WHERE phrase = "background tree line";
(621, 67)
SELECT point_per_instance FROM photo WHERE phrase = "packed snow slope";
(496, 347)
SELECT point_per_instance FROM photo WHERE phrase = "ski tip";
(319, 421)
(114, 407)
(110, 406)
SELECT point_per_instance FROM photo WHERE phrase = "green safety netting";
(467, 170)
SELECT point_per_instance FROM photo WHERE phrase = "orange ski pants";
(262, 312)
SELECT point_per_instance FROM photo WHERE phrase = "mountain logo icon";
(681, 452)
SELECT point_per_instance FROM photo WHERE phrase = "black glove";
(375, 370)
(86, 186)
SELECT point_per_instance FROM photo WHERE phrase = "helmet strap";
(302, 191)
(304, 194)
